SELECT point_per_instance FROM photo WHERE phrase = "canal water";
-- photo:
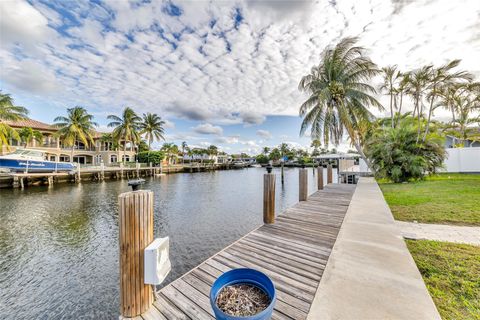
(59, 245)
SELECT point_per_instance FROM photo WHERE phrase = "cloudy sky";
(221, 72)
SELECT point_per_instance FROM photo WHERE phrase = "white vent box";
(157, 262)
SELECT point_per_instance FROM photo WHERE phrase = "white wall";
(462, 160)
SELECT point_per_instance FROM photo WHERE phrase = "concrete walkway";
(459, 234)
(370, 273)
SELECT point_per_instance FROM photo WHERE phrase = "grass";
(442, 198)
(452, 274)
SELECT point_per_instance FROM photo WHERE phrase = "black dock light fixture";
(135, 184)
(269, 167)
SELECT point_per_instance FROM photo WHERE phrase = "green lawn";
(442, 198)
(452, 274)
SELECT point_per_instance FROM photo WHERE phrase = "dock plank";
(293, 252)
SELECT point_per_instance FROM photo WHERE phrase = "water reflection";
(59, 245)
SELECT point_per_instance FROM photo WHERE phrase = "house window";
(52, 158)
(64, 159)
(126, 158)
(113, 158)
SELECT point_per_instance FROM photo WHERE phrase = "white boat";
(29, 160)
(239, 164)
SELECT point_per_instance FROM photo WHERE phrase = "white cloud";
(264, 134)
(207, 128)
(203, 66)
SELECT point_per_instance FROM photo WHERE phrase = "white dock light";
(157, 261)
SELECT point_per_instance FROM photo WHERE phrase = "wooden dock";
(293, 252)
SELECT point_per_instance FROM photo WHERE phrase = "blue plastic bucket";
(248, 276)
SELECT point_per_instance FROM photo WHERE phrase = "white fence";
(462, 160)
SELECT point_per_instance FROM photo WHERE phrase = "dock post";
(329, 174)
(135, 234)
(269, 196)
(303, 184)
(320, 178)
(50, 181)
(151, 169)
(121, 170)
(102, 174)
(16, 183)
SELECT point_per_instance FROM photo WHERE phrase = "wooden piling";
(320, 178)
(268, 198)
(303, 184)
(329, 174)
(135, 234)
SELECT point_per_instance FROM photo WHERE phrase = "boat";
(239, 164)
(29, 160)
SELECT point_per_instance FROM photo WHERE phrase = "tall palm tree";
(9, 112)
(152, 127)
(184, 147)
(266, 150)
(78, 125)
(339, 94)
(126, 128)
(390, 78)
(27, 135)
(442, 76)
(419, 81)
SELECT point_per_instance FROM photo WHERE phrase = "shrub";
(154, 157)
(396, 155)
(262, 159)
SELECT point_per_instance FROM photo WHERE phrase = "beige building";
(56, 151)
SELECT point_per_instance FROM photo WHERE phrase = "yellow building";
(56, 151)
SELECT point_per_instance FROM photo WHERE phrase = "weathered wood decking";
(293, 252)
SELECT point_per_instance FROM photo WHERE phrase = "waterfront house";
(54, 149)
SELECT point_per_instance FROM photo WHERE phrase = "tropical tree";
(339, 94)
(184, 147)
(390, 78)
(397, 155)
(171, 150)
(152, 127)
(442, 77)
(465, 100)
(126, 128)
(78, 125)
(418, 82)
(9, 112)
(27, 135)
(266, 150)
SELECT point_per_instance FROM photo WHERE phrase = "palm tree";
(464, 100)
(126, 128)
(339, 94)
(27, 135)
(419, 80)
(9, 112)
(78, 125)
(390, 78)
(152, 127)
(184, 147)
(266, 150)
(442, 76)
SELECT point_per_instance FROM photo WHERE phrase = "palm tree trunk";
(391, 105)
(124, 151)
(364, 157)
(430, 110)
(399, 109)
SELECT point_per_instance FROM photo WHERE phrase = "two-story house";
(55, 150)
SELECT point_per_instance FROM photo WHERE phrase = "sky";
(218, 72)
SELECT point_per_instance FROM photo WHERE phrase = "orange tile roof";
(34, 124)
(37, 125)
